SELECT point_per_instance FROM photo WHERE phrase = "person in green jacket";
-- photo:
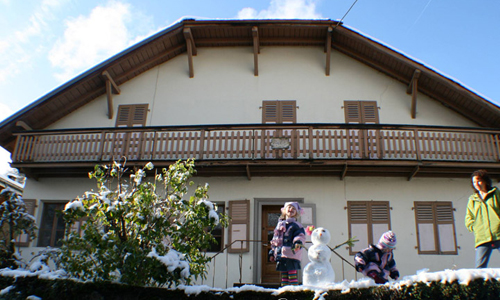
(483, 217)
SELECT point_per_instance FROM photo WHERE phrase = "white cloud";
(89, 40)
(16, 47)
(283, 9)
(5, 111)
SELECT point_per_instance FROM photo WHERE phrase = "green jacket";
(483, 217)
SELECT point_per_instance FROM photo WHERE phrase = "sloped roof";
(171, 42)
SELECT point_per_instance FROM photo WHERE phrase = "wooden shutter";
(352, 112)
(368, 220)
(361, 112)
(369, 111)
(446, 228)
(435, 228)
(424, 219)
(277, 112)
(131, 115)
(269, 112)
(239, 225)
(358, 219)
(288, 112)
(23, 239)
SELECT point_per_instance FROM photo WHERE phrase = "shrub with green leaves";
(14, 220)
(140, 232)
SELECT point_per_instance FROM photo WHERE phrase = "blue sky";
(44, 43)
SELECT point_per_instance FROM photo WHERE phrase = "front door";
(270, 217)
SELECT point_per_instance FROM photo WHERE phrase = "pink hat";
(387, 240)
(299, 209)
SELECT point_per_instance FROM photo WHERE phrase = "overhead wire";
(346, 14)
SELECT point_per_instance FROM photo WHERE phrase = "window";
(131, 115)
(361, 112)
(363, 143)
(129, 144)
(435, 228)
(23, 239)
(279, 112)
(218, 232)
(368, 220)
(52, 225)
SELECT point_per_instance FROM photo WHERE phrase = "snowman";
(319, 271)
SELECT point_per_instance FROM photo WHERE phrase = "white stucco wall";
(225, 91)
(330, 196)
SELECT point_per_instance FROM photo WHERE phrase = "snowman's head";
(320, 235)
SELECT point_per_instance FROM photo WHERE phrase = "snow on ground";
(463, 276)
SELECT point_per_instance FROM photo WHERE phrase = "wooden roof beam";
(328, 49)
(191, 49)
(414, 172)
(344, 172)
(256, 50)
(413, 90)
(23, 125)
(113, 83)
(249, 175)
(110, 86)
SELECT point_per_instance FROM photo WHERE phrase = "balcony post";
(310, 132)
(15, 153)
(201, 152)
(101, 148)
(417, 144)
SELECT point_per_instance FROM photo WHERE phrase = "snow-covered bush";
(140, 232)
(14, 220)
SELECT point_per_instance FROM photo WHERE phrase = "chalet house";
(365, 137)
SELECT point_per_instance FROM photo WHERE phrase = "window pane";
(426, 237)
(217, 233)
(446, 238)
(272, 219)
(360, 232)
(52, 226)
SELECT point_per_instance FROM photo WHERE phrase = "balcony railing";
(260, 142)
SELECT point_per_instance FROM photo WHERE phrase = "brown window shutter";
(380, 212)
(278, 112)
(131, 115)
(425, 224)
(123, 115)
(446, 228)
(352, 112)
(361, 112)
(288, 112)
(23, 239)
(358, 211)
(270, 112)
(239, 226)
(367, 221)
(369, 111)
(358, 221)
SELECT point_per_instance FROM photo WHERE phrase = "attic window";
(132, 115)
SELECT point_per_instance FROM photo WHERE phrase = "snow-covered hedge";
(23, 287)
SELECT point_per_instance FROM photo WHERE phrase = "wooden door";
(270, 217)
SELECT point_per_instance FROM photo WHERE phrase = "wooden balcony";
(268, 150)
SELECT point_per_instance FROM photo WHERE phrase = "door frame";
(257, 249)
